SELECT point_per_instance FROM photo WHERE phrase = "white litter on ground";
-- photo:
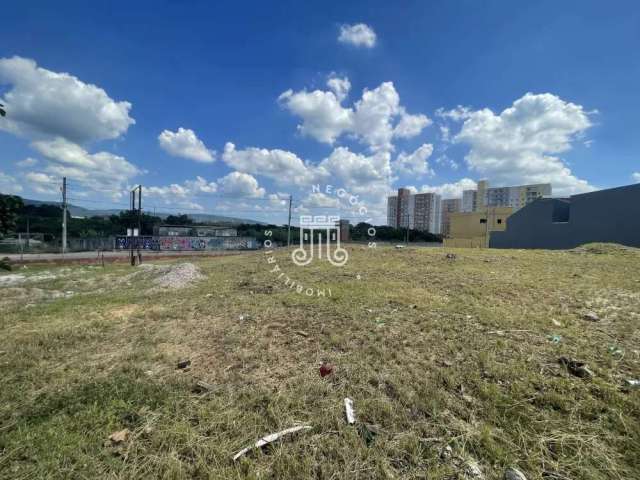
(178, 276)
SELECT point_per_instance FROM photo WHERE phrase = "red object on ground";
(326, 369)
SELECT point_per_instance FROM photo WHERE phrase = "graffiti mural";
(144, 243)
(175, 243)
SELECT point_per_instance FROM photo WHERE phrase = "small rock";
(451, 256)
(514, 474)
(302, 333)
(472, 469)
(556, 322)
(591, 316)
(203, 387)
(632, 383)
(576, 367)
(446, 453)
(209, 295)
(183, 364)
(326, 369)
(119, 437)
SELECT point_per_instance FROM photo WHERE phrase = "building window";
(499, 220)
(483, 220)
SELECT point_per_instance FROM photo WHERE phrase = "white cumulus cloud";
(9, 185)
(521, 144)
(184, 143)
(27, 162)
(102, 171)
(42, 183)
(40, 102)
(450, 190)
(359, 35)
(415, 163)
(339, 86)
(280, 165)
(241, 184)
(323, 116)
(375, 119)
(636, 177)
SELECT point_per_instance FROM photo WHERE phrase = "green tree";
(178, 220)
(10, 205)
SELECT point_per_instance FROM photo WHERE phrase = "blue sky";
(446, 100)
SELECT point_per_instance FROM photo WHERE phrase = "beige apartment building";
(449, 206)
(515, 197)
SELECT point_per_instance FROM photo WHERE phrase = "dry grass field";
(452, 365)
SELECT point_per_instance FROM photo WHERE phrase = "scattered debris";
(576, 367)
(451, 256)
(326, 369)
(209, 295)
(514, 474)
(182, 364)
(270, 439)
(11, 279)
(177, 276)
(556, 323)
(399, 246)
(368, 432)
(591, 316)
(446, 453)
(302, 333)
(616, 351)
(632, 383)
(244, 318)
(502, 332)
(348, 410)
(119, 437)
(203, 387)
(472, 469)
(555, 338)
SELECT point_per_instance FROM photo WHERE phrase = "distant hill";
(77, 211)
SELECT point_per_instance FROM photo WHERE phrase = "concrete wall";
(174, 243)
(476, 224)
(611, 215)
(476, 242)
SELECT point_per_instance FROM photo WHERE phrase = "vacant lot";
(435, 352)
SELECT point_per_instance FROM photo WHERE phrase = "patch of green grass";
(433, 352)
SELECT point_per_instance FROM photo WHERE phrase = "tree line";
(46, 220)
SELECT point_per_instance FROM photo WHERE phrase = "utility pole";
(132, 230)
(139, 221)
(64, 215)
(289, 223)
(406, 238)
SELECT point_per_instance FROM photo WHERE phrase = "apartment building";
(515, 197)
(421, 211)
(449, 206)
(469, 201)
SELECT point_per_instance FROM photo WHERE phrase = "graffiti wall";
(207, 243)
(144, 243)
(187, 243)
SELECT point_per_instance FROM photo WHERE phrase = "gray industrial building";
(611, 216)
